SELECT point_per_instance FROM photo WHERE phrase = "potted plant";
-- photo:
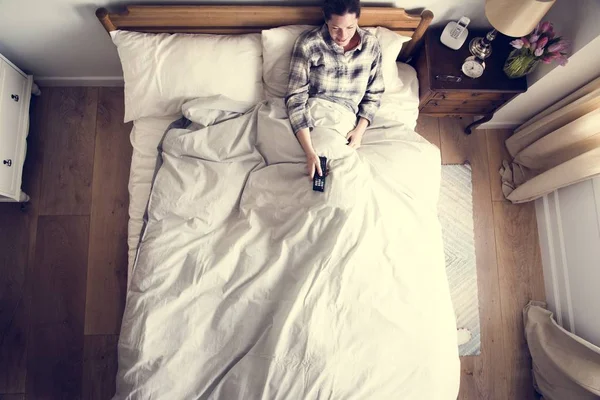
(541, 45)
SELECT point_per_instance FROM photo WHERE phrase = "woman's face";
(342, 28)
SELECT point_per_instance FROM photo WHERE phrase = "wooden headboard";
(230, 19)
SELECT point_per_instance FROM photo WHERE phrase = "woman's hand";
(355, 135)
(313, 164)
(355, 138)
(312, 159)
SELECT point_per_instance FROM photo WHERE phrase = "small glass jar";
(520, 62)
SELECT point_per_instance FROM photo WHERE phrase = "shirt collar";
(337, 48)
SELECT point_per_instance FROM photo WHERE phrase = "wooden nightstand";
(439, 96)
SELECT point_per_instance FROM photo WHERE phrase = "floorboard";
(13, 324)
(57, 291)
(482, 376)
(497, 153)
(99, 367)
(19, 396)
(489, 369)
(68, 145)
(107, 259)
(454, 144)
(521, 280)
(17, 243)
(429, 128)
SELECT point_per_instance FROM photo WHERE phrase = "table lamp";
(511, 17)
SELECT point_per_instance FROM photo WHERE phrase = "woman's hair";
(340, 7)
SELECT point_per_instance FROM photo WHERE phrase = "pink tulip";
(517, 43)
(534, 46)
(545, 27)
(526, 43)
(547, 59)
(538, 52)
(560, 46)
(542, 43)
(534, 38)
(562, 60)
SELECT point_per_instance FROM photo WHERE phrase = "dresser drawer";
(13, 101)
(487, 96)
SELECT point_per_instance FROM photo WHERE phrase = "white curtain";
(557, 148)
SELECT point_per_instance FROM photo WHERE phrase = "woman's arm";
(375, 88)
(312, 159)
(297, 92)
(295, 101)
(369, 103)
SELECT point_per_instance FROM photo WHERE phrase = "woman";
(338, 62)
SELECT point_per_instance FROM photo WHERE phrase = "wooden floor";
(63, 260)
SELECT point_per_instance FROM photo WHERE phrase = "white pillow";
(391, 44)
(278, 44)
(162, 71)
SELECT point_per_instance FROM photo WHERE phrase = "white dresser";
(15, 94)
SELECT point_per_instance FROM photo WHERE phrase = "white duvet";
(249, 285)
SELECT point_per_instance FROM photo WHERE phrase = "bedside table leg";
(475, 124)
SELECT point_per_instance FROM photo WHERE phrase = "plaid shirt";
(320, 68)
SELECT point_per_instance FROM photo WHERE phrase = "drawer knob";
(7, 162)
(15, 97)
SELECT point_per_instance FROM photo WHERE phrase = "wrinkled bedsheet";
(249, 285)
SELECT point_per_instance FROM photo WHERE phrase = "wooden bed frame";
(237, 19)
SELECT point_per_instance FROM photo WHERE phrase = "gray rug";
(455, 209)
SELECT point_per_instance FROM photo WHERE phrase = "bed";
(243, 283)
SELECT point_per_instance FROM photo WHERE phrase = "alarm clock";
(473, 67)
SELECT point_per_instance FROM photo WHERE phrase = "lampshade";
(516, 17)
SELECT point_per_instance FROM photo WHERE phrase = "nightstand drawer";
(466, 106)
(501, 97)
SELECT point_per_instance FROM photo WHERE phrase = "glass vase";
(520, 62)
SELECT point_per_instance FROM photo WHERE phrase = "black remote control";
(319, 181)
